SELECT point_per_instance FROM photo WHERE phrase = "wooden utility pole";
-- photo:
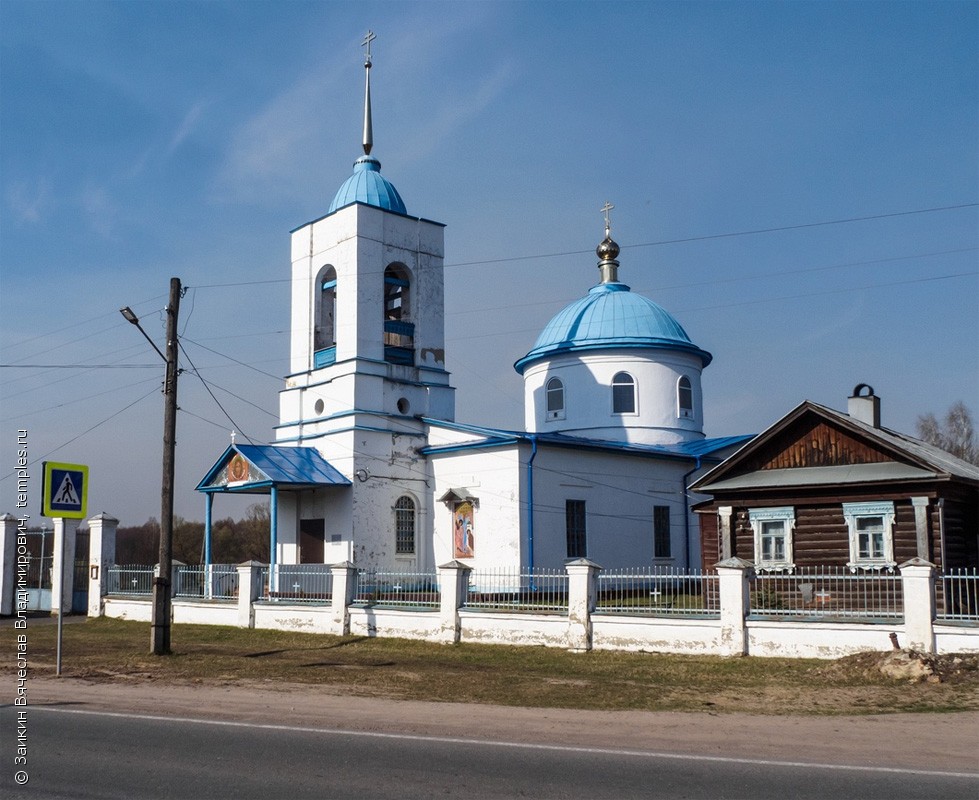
(162, 604)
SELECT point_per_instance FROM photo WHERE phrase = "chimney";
(864, 405)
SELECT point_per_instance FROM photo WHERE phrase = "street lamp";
(160, 624)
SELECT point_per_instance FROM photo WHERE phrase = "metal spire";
(368, 127)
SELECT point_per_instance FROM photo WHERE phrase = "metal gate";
(40, 545)
(79, 595)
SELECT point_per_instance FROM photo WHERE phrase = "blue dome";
(611, 316)
(369, 187)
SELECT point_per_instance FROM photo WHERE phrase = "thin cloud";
(187, 125)
(30, 204)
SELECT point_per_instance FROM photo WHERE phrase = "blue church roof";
(271, 465)
(610, 316)
(369, 187)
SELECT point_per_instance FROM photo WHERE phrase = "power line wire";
(83, 433)
(213, 396)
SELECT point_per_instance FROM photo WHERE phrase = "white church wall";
(587, 380)
(287, 528)
(620, 492)
(491, 476)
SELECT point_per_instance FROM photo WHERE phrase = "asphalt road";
(79, 753)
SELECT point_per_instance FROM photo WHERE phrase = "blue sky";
(144, 140)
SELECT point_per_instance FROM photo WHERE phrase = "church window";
(324, 335)
(555, 399)
(574, 514)
(623, 394)
(399, 331)
(661, 532)
(684, 398)
(773, 537)
(871, 534)
(404, 526)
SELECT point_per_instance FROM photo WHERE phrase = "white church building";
(369, 464)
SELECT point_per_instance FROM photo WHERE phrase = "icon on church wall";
(463, 543)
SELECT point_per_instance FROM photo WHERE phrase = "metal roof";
(611, 316)
(913, 458)
(819, 476)
(495, 437)
(369, 187)
(292, 467)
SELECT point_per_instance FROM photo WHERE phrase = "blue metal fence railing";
(828, 593)
(659, 591)
(957, 595)
(211, 581)
(132, 579)
(297, 583)
(418, 590)
(540, 590)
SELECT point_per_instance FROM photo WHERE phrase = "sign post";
(64, 493)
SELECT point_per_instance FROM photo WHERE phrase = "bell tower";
(367, 347)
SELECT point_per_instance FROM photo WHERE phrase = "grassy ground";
(108, 650)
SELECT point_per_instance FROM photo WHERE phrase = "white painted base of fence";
(573, 623)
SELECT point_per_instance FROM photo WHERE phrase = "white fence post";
(582, 597)
(101, 555)
(344, 582)
(734, 575)
(8, 572)
(918, 586)
(249, 588)
(63, 565)
(453, 588)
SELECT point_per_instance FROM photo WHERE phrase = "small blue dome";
(369, 187)
(611, 316)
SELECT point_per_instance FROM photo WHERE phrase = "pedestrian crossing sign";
(64, 490)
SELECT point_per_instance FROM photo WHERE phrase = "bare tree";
(955, 434)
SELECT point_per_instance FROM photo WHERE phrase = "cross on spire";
(608, 224)
(370, 37)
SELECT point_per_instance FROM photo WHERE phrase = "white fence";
(730, 611)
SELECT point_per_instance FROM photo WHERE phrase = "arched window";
(325, 330)
(404, 526)
(684, 398)
(399, 331)
(623, 394)
(554, 392)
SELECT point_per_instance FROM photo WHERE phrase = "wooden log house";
(821, 488)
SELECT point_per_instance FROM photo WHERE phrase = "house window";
(773, 537)
(684, 398)
(623, 394)
(871, 534)
(574, 514)
(404, 526)
(555, 399)
(661, 532)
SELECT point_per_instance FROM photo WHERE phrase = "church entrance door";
(312, 534)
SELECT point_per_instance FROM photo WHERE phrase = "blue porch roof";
(271, 465)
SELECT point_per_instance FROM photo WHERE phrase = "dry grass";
(113, 650)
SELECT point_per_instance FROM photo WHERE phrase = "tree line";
(232, 541)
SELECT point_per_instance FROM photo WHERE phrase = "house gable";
(815, 442)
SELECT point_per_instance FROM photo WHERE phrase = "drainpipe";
(530, 504)
(686, 509)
